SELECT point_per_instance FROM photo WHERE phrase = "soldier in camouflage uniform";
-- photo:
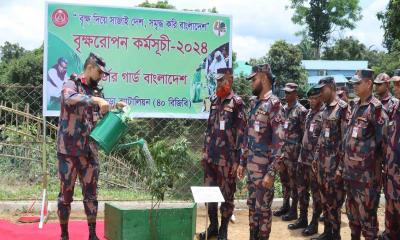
(294, 116)
(328, 156)
(222, 150)
(361, 168)
(382, 91)
(77, 154)
(261, 155)
(306, 177)
(392, 169)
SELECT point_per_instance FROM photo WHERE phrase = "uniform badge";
(286, 125)
(222, 125)
(327, 132)
(257, 126)
(355, 132)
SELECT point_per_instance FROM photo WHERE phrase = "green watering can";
(110, 129)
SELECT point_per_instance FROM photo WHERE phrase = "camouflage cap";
(290, 87)
(382, 78)
(313, 91)
(325, 81)
(222, 71)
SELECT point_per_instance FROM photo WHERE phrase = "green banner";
(162, 62)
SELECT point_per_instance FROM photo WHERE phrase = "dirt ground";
(240, 230)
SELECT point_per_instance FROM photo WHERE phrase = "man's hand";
(103, 104)
(120, 105)
(268, 181)
(240, 172)
(314, 166)
(233, 171)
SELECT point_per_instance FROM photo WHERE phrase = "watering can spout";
(139, 142)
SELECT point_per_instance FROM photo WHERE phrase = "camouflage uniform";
(77, 154)
(392, 175)
(306, 178)
(223, 142)
(328, 156)
(362, 166)
(293, 128)
(389, 103)
(260, 156)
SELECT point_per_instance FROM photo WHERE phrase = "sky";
(255, 27)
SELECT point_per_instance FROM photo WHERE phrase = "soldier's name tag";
(312, 127)
(213, 107)
(286, 124)
(222, 125)
(327, 132)
(354, 134)
(391, 123)
(257, 126)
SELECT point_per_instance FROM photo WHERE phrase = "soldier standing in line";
(391, 177)
(382, 90)
(294, 117)
(361, 168)
(261, 155)
(222, 149)
(329, 153)
(306, 177)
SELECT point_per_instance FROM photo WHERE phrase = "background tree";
(285, 60)
(389, 61)
(21, 66)
(322, 17)
(351, 49)
(306, 48)
(158, 4)
(10, 51)
(390, 23)
(345, 49)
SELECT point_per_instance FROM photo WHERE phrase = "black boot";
(356, 237)
(292, 214)
(212, 230)
(384, 236)
(327, 234)
(64, 231)
(302, 222)
(223, 230)
(313, 227)
(336, 235)
(92, 231)
(284, 209)
(254, 234)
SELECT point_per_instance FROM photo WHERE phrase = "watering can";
(110, 129)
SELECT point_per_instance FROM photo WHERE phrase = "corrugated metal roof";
(338, 79)
(333, 65)
(242, 67)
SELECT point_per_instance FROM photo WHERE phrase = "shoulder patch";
(376, 102)
(237, 99)
(213, 98)
(343, 104)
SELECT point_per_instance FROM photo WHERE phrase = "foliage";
(158, 4)
(170, 161)
(26, 68)
(390, 19)
(322, 17)
(285, 60)
(390, 61)
(10, 51)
